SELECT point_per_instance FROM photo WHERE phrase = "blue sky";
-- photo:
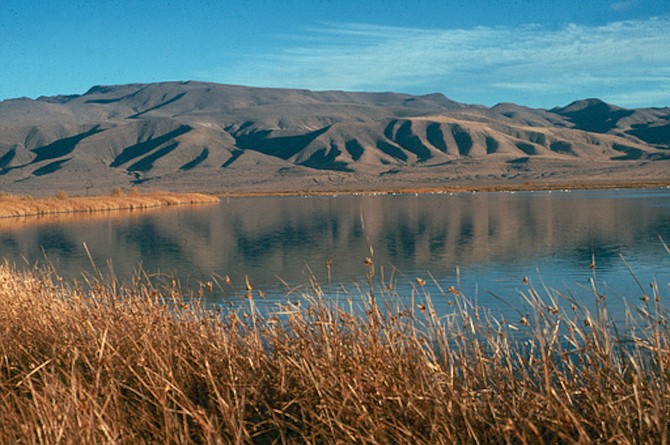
(535, 53)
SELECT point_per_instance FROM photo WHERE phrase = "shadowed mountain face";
(593, 115)
(211, 137)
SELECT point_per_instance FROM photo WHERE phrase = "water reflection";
(495, 238)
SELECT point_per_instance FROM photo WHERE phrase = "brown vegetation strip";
(127, 365)
(19, 206)
(526, 186)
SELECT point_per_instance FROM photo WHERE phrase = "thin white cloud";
(642, 98)
(623, 5)
(484, 64)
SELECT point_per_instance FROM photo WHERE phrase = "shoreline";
(525, 187)
(22, 206)
(15, 206)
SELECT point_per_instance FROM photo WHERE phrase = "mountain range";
(213, 137)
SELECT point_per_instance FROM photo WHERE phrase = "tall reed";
(13, 206)
(100, 362)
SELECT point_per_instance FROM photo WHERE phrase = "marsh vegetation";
(102, 362)
(20, 206)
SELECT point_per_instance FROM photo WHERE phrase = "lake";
(487, 242)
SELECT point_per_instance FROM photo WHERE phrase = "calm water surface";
(494, 239)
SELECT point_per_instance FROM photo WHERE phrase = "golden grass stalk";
(20, 206)
(105, 363)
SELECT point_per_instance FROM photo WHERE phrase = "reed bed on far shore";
(139, 363)
(20, 206)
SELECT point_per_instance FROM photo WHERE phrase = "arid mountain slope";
(212, 137)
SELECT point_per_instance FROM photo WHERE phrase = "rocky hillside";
(212, 137)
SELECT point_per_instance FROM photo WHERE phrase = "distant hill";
(213, 137)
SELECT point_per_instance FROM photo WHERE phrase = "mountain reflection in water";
(495, 238)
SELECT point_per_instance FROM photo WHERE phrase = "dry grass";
(507, 187)
(105, 363)
(19, 206)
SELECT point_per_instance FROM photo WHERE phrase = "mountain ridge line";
(209, 137)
